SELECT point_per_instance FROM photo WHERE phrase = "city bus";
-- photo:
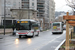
(57, 27)
(27, 27)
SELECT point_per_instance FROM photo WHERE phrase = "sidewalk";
(6, 35)
(9, 30)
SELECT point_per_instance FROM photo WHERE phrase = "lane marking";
(62, 42)
(47, 43)
(60, 45)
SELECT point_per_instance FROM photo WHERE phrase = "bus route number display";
(22, 22)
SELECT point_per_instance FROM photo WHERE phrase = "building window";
(32, 4)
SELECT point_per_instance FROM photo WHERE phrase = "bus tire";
(37, 34)
(19, 36)
(52, 33)
(61, 32)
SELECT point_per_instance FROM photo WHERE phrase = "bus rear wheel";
(37, 34)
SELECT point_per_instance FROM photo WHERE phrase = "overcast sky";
(60, 5)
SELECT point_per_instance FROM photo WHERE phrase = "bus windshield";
(56, 24)
(22, 26)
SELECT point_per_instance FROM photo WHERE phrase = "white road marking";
(47, 43)
(59, 45)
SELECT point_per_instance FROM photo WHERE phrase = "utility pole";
(19, 11)
(4, 15)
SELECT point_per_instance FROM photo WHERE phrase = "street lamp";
(4, 14)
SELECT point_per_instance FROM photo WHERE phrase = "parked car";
(64, 27)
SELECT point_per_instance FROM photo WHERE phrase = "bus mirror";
(30, 23)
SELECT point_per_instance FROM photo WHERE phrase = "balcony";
(25, 6)
(40, 16)
(41, 2)
(41, 11)
(25, 1)
(40, 5)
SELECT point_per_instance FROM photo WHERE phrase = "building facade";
(52, 10)
(8, 5)
(13, 4)
(29, 4)
(45, 10)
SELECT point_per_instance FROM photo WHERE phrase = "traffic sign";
(69, 17)
(71, 22)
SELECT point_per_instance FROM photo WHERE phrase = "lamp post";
(4, 15)
(28, 13)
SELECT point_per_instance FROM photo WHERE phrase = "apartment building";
(42, 10)
(30, 5)
(52, 10)
(0, 13)
(13, 4)
(46, 12)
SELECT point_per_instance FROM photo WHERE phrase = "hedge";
(9, 26)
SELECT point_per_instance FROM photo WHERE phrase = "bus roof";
(57, 22)
(27, 20)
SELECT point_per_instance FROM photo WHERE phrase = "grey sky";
(61, 6)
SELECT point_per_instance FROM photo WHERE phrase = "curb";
(46, 30)
(60, 44)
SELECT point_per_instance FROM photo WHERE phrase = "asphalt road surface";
(45, 41)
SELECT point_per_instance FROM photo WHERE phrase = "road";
(45, 41)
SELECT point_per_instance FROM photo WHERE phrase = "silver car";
(64, 27)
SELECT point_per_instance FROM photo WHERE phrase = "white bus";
(57, 27)
(27, 27)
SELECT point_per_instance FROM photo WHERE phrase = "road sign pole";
(67, 34)
(74, 14)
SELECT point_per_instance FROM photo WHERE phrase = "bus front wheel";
(33, 34)
(19, 36)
